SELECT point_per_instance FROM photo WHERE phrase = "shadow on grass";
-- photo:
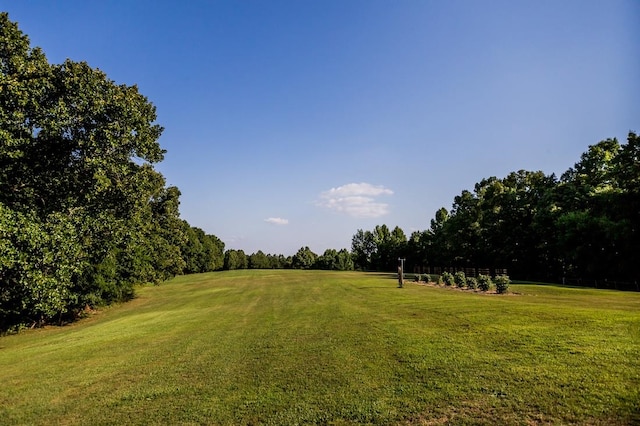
(376, 288)
(389, 275)
(606, 286)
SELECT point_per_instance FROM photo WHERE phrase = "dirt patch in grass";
(491, 292)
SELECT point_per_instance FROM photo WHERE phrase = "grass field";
(310, 347)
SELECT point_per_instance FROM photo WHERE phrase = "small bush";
(447, 278)
(484, 282)
(416, 278)
(440, 280)
(502, 283)
(472, 283)
(427, 278)
(460, 279)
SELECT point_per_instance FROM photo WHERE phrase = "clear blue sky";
(295, 123)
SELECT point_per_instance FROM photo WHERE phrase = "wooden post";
(401, 272)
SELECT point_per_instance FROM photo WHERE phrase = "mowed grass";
(310, 347)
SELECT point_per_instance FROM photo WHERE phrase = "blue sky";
(295, 123)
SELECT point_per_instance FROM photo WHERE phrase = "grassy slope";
(286, 347)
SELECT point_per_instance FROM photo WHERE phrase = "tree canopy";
(83, 213)
(583, 225)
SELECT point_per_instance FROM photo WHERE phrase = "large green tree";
(304, 258)
(378, 249)
(235, 259)
(362, 248)
(84, 214)
(259, 260)
(335, 260)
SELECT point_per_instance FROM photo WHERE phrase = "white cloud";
(356, 199)
(277, 221)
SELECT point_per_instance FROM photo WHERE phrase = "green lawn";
(301, 347)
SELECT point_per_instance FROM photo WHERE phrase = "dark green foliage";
(304, 259)
(344, 261)
(417, 250)
(235, 259)
(362, 249)
(581, 226)
(448, 279)
(68, 180)
(460, 279)
(84, 215)
(201, 252)
(335, 260)
(279, 261)
(259, 260)
(484, 282)
(39, 262)
(502, 283)
(472, 283)
(379, 249)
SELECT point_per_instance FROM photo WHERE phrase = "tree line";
(581, 226)
(305, 258)
(83, 213)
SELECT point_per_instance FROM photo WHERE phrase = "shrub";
(416, 278)
(440, 280)
(427, 278)
(472, 283)
(460, 279)
(484, 282)
(502, 283)
(447, 278)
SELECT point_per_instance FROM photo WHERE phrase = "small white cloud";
(277, 221)
(356, 199)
